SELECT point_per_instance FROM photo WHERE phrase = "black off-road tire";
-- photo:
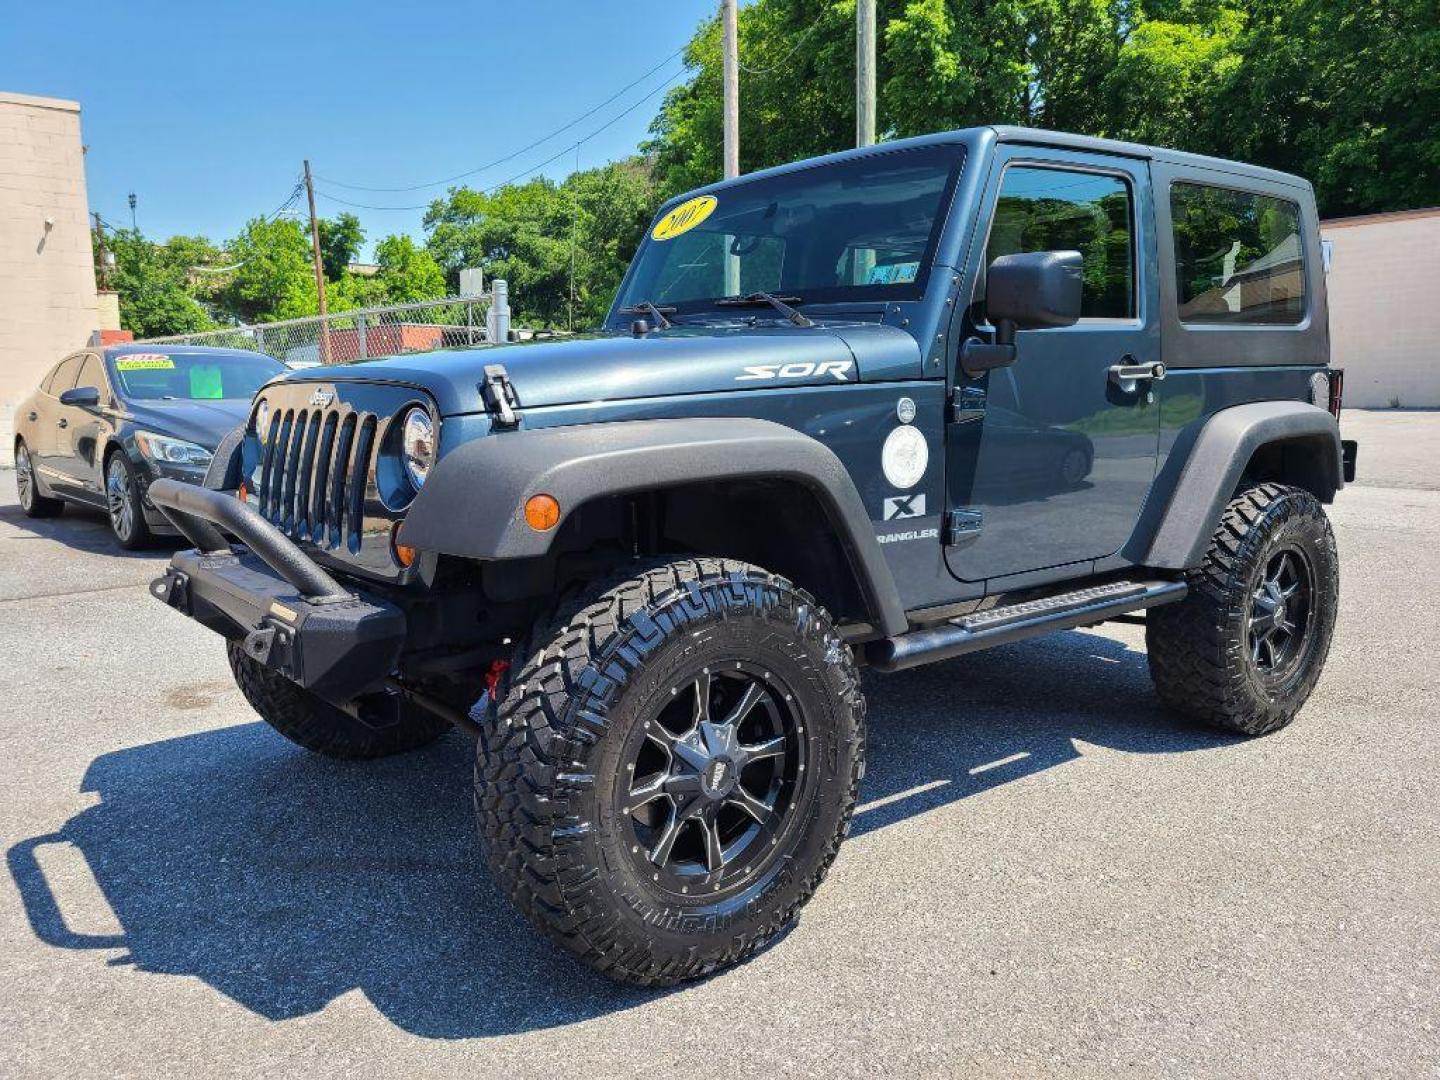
(318, 726)
(1200, 648)
(548, 771)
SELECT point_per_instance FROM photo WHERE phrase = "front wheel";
(123, 500)
(1245, 647)
(320, 727)
(671, 768)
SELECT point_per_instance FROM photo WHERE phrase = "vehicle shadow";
(85, 529)
(284, 880)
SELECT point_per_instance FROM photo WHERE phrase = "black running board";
(1015, 622)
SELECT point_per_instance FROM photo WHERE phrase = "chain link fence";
(369, 332)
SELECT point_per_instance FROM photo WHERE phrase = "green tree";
(274, 276)
(157, 285)
(1345, 92)
(341, 239)
(541, 237)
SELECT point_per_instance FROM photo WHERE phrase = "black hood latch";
(501, 401)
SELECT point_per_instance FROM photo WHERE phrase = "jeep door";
(1049, 461)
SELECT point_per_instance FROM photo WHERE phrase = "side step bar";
(1015, 622)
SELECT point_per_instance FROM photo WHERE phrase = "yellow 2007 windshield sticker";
(684, 217)
(144, 362)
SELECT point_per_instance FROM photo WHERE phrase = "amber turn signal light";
(542, 512)
(404, 553)
(242, 492)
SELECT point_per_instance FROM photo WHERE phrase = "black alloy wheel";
(712, 778)
(1280, 610)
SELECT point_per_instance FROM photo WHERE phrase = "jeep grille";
(314, 473)
(318, 474)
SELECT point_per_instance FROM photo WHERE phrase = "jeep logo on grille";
(322, 397)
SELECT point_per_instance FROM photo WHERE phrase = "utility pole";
(864, 72)
(731, 47)
(319, 267)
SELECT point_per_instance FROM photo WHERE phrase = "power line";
(509, 157)
(793, 50)
(534, 168)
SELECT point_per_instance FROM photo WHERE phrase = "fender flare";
(472, 505)
(1217, 462)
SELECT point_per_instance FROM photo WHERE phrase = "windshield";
(863, 229)
(191, 376)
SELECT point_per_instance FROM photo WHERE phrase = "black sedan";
(105, 422)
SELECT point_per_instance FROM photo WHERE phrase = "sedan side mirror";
(82, 397)
(1035, 290)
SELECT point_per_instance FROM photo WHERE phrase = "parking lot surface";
(1049, 875)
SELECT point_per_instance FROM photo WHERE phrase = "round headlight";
(262, 418)
(417, 444)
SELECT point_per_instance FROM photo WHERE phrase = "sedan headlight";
(417, 444)
(164, 450)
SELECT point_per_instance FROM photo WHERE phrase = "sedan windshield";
(863, 229)
(161, 376)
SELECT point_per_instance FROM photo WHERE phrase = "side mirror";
(1035, 290)
(83, 397)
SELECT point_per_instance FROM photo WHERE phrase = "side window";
(64, 377)
(1238, 257)
(48, 381)
(1047, 209)
(92, 373)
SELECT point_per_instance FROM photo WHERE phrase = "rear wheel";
(320, 727)
(32, 502)
(1244, 649)
(671, 768)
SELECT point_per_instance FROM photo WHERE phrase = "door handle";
(62, 423)
(33, 416)
(1128, 376)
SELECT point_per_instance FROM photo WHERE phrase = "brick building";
(48, 303)
(1384, 290)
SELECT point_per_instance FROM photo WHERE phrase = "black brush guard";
(265, 592)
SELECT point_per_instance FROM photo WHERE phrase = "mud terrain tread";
(1196, 647)
(532, 751)
(319, 727)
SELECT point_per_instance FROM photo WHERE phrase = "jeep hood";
(682, 360)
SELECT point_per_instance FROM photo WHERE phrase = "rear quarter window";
(1239, 257)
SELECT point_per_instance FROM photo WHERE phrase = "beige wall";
(1384, 289)
(47, 276)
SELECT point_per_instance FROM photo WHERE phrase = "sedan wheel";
(32, 502)
(122, 496)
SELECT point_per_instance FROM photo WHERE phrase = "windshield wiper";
(645, 307)
(779, 303)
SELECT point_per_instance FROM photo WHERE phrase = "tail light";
(1337, 390)
(1326, 389)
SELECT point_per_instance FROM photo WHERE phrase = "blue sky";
(206, 110)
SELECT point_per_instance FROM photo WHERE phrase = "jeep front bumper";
(267, 594)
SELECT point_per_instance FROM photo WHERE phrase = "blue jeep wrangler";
(876, 409)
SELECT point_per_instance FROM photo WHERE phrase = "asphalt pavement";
(1049, 874)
